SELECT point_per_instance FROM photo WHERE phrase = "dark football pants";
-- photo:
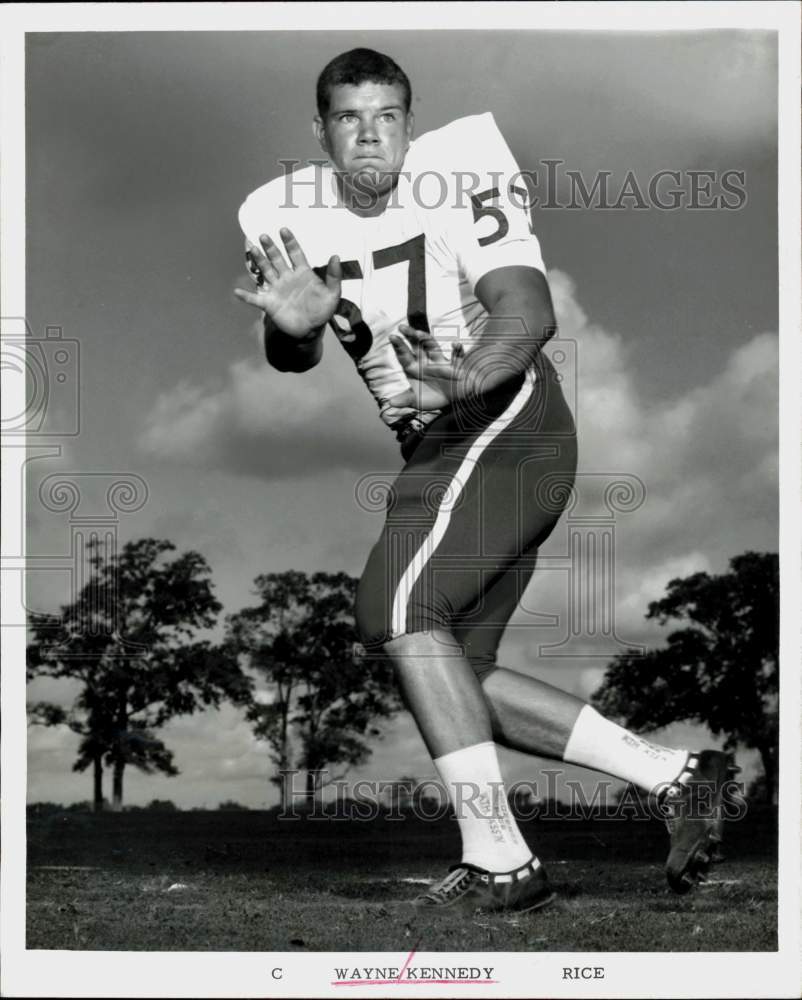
(482, 489)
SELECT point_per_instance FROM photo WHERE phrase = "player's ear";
(410, 124)
(320, 133)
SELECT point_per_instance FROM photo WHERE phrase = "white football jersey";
(458, 212)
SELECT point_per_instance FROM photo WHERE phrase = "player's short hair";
(360, 66)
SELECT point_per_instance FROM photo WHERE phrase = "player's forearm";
(515, 333)
(288, 354)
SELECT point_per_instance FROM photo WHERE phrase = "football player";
(421, 260)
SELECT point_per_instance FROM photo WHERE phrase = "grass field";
(247, 881)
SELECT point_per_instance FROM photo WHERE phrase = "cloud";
(707, 459)
(272, 425)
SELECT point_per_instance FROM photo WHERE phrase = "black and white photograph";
(401, 484)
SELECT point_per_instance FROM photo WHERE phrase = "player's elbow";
(518, 300)
(532, 314)
(525, 323)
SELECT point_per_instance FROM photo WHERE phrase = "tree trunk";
(121, 748)
(117, 786)
(284, 753)
(768, 758)
(97, 765)
(285, 782)
(314, 786)
(314, 778)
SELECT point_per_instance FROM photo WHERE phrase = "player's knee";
(483, 665)
(433, 642)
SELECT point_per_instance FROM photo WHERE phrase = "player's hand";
(291, 294)
(432, 376)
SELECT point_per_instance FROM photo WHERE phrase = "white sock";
(490, 836)
(604, 746)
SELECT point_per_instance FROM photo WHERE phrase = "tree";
(263, 634)
(721, 669)
(130, 640)
(399, 795)
(323, 700)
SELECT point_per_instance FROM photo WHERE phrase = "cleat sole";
(539, 905)
(468, 889)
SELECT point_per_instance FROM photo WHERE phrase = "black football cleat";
(691, 806)
(468, 888)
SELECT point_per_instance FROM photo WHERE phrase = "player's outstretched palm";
(292, 295)
(432, 376)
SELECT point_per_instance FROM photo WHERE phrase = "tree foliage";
(130, 640)
(322, 700)
(720, 669)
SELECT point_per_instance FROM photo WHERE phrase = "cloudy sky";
(141, 147)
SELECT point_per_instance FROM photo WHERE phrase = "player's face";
(366, 134)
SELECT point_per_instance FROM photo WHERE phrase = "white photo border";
(90, 974)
